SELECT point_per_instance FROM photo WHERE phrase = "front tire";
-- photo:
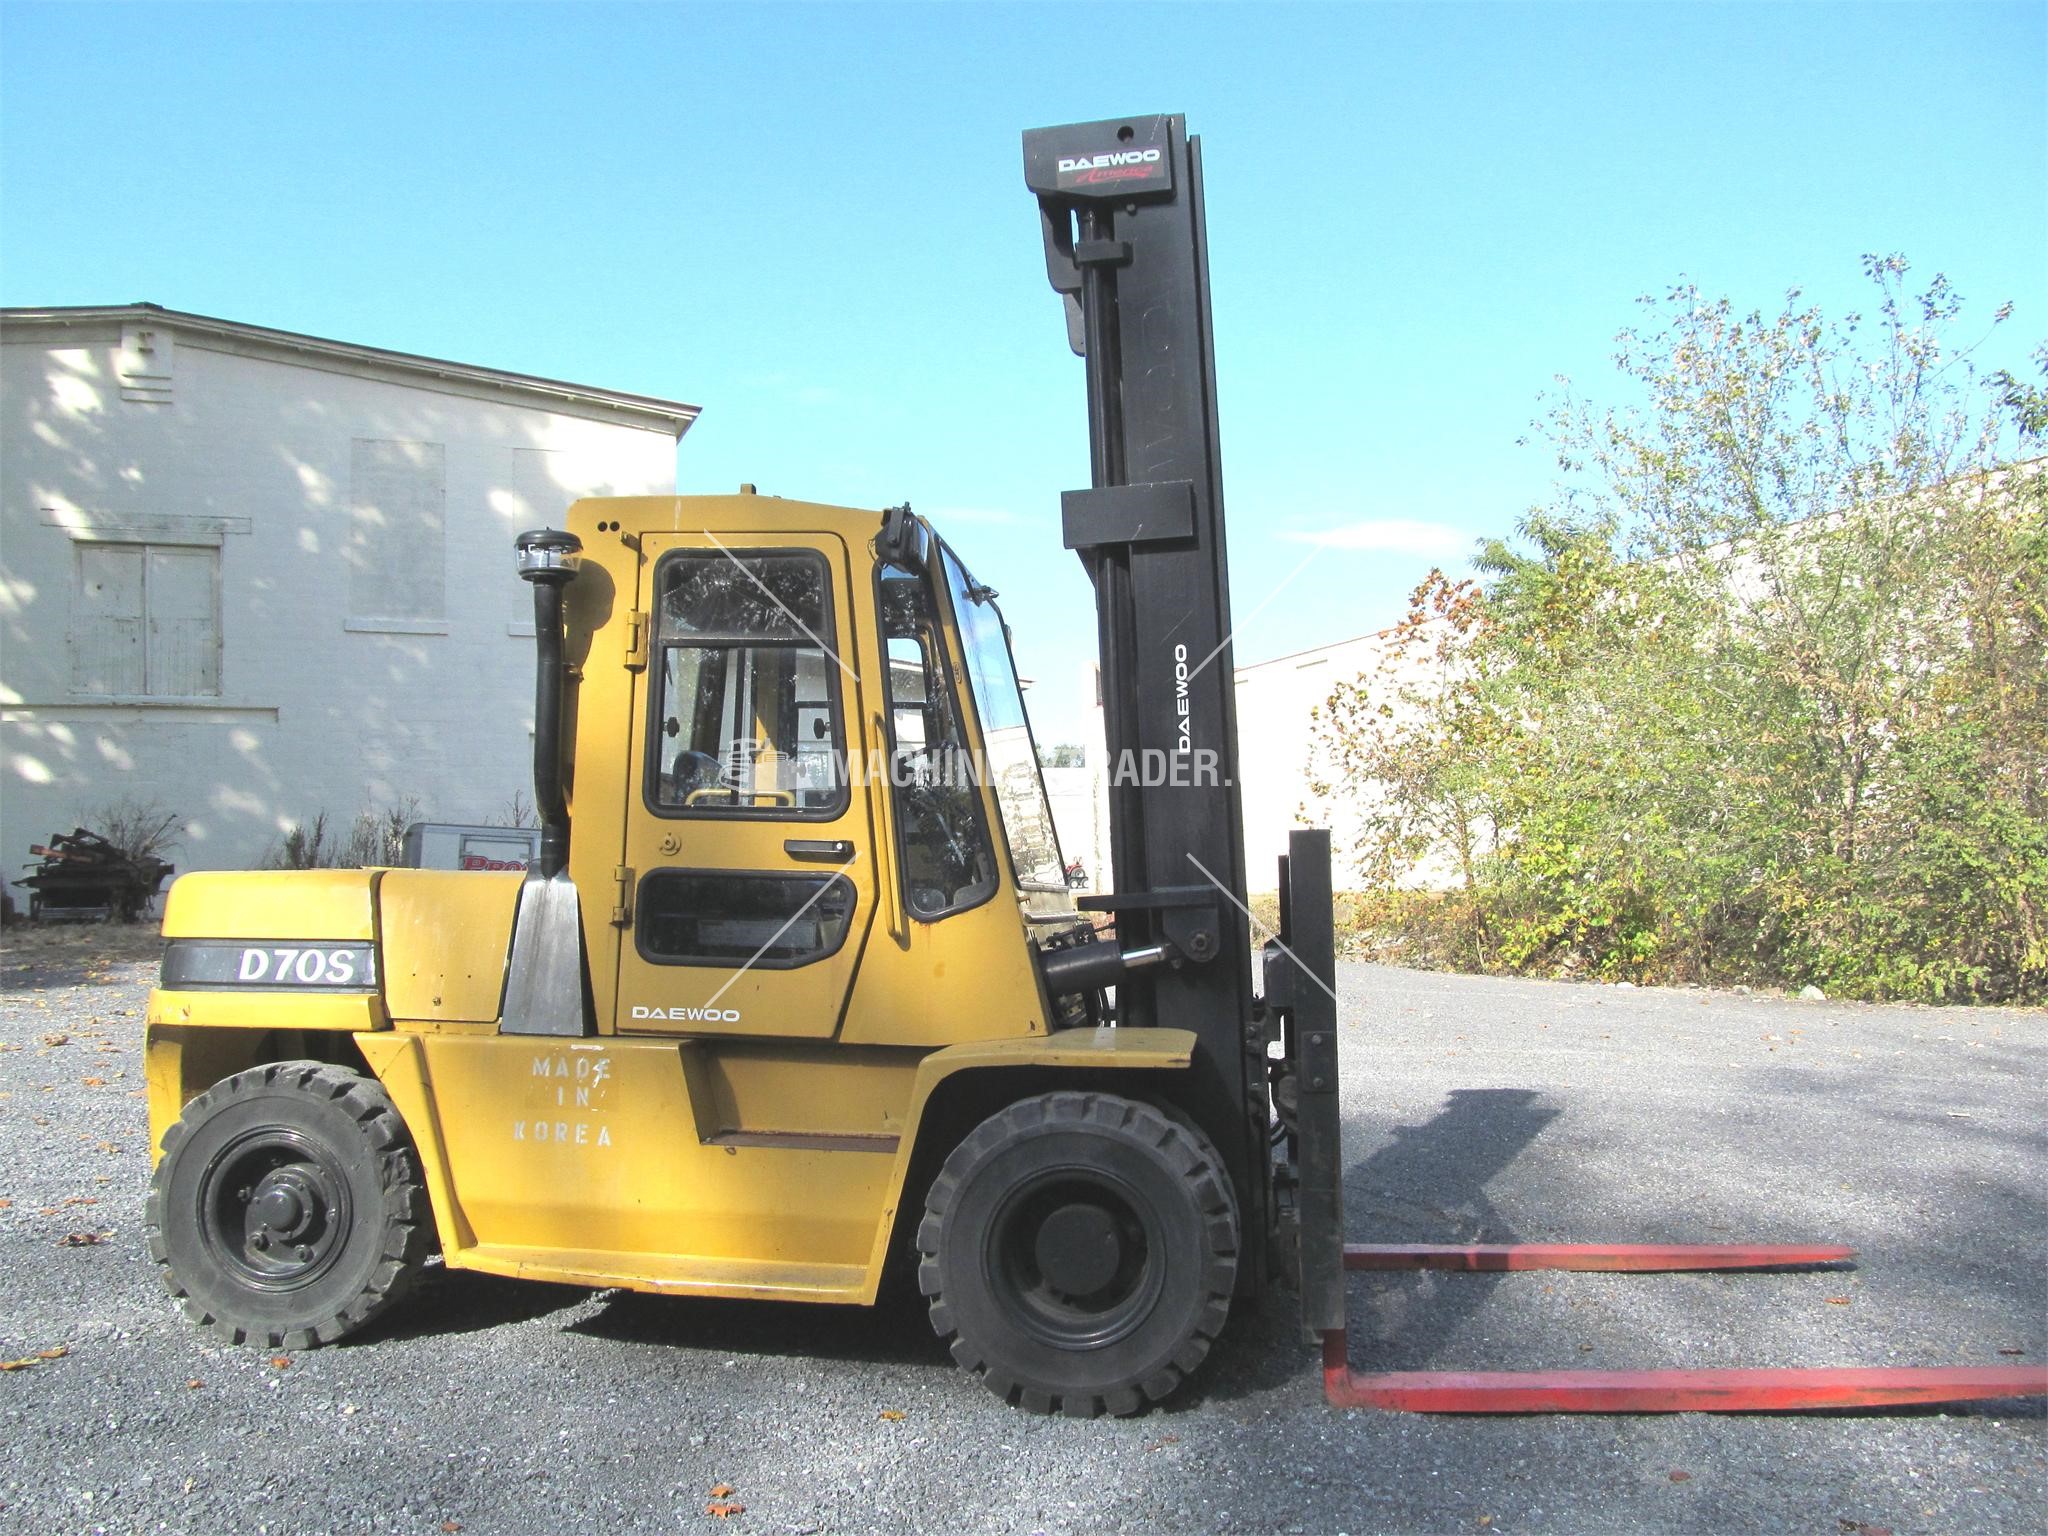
(287, 1209)
(1079, 1251)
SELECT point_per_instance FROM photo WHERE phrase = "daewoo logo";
(688, 1015)
(1105, 162)
(1183, 728)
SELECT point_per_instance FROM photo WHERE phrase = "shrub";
(375, 839)
(1763, 694)
(141, 829)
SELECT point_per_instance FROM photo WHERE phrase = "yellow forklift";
(796, 991)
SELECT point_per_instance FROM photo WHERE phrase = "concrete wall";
(338, 685)
(1080, 812)
(1277, 703)
(1279, 706)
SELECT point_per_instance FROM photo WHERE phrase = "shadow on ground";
(455, 1301)
(48, 956)
(892, 1332)
(1426, 1185)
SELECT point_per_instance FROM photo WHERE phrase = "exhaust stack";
(549, 559)
(544, 986)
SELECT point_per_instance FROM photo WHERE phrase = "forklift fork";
(1300, 974)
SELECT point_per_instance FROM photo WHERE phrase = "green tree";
(1409, 731)
(1762, 693)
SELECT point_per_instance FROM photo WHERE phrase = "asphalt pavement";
(1476, 1109)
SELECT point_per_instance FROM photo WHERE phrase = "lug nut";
(305, 1253)
(260, 1241)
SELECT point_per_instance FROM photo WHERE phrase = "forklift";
(796, 994)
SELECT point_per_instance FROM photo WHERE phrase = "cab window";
(942, 837)
(754, 919)
(1012, 763)
(746, 718)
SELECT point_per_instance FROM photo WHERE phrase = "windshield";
(1012, 760)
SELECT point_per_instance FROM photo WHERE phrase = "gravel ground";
(1475, 1109)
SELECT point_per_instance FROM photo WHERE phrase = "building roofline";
(2036, 465)
(676, 415)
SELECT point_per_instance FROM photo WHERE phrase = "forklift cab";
(829, 766)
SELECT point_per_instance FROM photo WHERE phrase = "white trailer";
(448, 845)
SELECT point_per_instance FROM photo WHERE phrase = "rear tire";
(287, 1209)
(1079, 1251)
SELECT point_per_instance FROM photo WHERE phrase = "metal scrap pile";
(83, 878)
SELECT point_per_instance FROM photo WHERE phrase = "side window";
(941, 836)
(746, 704)
(722, 917)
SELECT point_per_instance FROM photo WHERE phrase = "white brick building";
(1278, 702)
(252, 576)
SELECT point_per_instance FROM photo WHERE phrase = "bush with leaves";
(1762, 695)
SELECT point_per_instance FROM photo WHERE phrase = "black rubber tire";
(1131, 1341)
(335, 1140)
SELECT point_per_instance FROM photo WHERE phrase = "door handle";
(818, 848)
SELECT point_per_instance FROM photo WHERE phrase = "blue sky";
(812, 222)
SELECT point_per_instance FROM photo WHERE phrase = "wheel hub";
(272, 1211)
(1078, 1250)
(287, 1206)
(1074, 1256)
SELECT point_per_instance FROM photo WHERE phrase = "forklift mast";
(1120, 203)
(1120, 206)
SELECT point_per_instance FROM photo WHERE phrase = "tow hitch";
(1301, 990)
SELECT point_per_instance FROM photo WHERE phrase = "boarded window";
(397, 558)
(145, 621)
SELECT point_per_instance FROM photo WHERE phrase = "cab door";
(752, 855)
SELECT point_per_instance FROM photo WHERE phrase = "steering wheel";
(691, 774)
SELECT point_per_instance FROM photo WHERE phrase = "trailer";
(454, 845)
